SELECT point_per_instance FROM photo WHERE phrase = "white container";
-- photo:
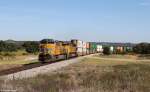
(99, 48)
(80, 51)
(87, 51)
(111, 48)
(84, 51)
(84, 45)
(79, 43)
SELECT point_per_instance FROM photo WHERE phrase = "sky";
(87, 20)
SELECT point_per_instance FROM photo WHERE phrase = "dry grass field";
(90, 75)
(119, 56)
(17, 60)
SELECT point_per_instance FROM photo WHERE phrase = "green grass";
(90, 75)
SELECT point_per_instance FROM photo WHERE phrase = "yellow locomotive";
(51, 50)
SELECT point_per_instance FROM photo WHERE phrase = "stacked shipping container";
(111, 49)
(84, 48)
(99, 48)
(79, 47)
(87, 48)
(93, 48)
(120, 49)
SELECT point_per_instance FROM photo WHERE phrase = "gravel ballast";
(42, 69)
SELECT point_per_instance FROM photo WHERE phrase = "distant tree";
(148, 48)
(106, 51)
(10, 47)
(2, 46)
(142, 48)
(7, 47)
(31, 47)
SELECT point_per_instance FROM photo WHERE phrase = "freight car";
(93, 48)
(87, 48)
(99, 48)
(84, 49)
(79, 46)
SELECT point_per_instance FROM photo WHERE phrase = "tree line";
(142, 48)
(29, 46)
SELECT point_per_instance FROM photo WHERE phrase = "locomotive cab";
(46, 48)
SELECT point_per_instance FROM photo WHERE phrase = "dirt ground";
(5, 67)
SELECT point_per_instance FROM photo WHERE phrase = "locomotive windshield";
(46, 41)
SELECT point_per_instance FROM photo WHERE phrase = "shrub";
(24, 53)
(7, 47)
(31, 47)
(106, 51)
(142, 48)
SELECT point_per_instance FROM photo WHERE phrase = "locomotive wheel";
(41, 58)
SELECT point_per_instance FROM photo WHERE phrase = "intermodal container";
(129, 49)
(119, 49)
(111, 48)
(87, 51)
(84, 51)
(93, 48)
(87, 48)
(80, 44)
(80, 51)
(99, 48)
(84, 45)
(87, 45)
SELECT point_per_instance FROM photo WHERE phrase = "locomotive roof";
(47, 41)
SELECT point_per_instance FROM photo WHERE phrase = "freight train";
(53, 50)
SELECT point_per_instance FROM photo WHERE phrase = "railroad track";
(25, 67)
(34, 69)
(22, 68)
